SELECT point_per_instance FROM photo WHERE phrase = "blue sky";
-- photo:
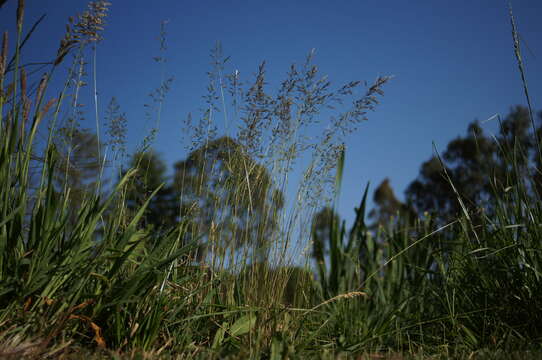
(452, 62)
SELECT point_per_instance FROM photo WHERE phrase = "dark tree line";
(479, 165)
(226, 197)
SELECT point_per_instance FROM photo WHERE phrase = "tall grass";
(58, 281)
(89, 279)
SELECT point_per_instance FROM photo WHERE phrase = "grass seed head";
(41, 88)
(20, 14)
(3, 55)
(23, 82)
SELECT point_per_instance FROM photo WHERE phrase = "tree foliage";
(322, 222)
(79, 159)
(478, 166)
(388, 209)
(230, 199)
(162, 211)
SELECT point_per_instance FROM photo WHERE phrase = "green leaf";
(219, 336)
(277, 349)
(243, 325)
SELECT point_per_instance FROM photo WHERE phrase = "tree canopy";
(477, 165)
(162, 211)
(388, 209)
(230, 199)
(79, 158)
(465, 163)
(322, 222)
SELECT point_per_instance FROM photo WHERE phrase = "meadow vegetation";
(206, 265)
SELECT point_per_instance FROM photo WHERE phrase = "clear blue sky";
(452, 61)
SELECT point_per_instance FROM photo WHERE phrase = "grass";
(81, 276)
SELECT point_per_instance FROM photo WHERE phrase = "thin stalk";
(521, 67)
(95, 91)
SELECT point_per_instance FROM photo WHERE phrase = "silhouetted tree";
(477, 165)
(388, 209)
(162, 211)
(230, 199)
(321, 231)
(78, 160)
